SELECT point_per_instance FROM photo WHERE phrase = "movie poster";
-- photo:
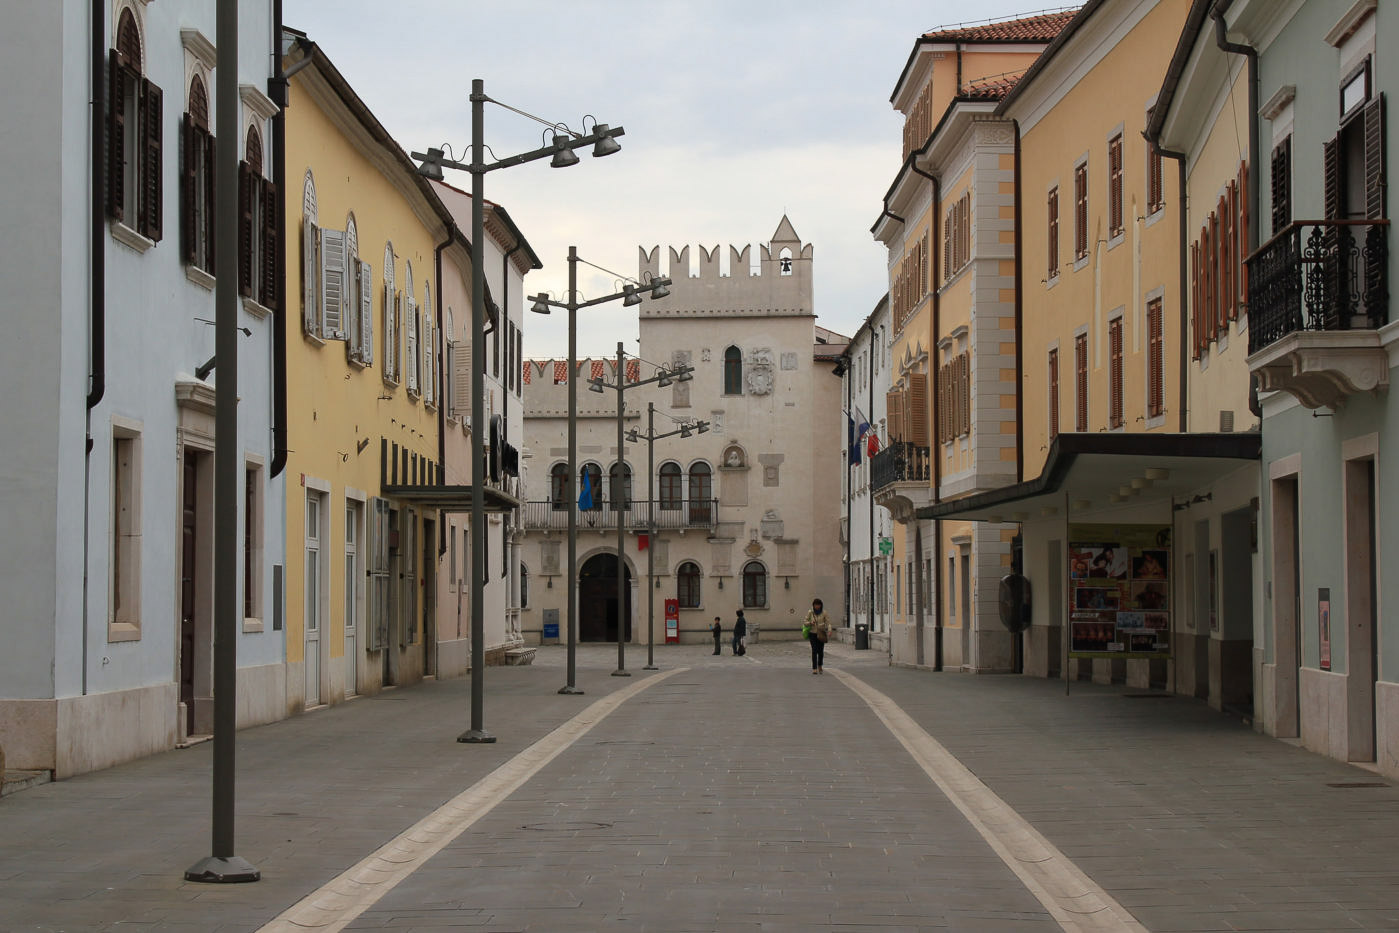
(1119, 590)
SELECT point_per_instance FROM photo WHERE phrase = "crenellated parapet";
(546, 386)
(779, 285)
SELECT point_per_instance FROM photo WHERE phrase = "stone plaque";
(549, 557)
(789, 361)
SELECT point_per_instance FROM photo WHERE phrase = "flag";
(862, 424)
(643, 542)
(585, 498)
(873, 443)
(853, 446)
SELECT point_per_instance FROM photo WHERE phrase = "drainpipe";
(920, 598)
(849, 488)
(505, 312)
(1251, 56)
(1019, 320)
(97, 288)
(1183, 285)
(935, 446)
(959, 68)
(452, 234)
(277, 90)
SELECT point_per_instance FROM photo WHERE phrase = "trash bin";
(862, 636)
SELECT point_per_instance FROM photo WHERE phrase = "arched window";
(257, 226)
(393, 335)
(687, 583)
(755, 585)
(590, 477)
(427, 335)
(412, 328)
(733, 371)
(701, 493)
(134, 135)
(524, 587)
(672, 485)
(558, 486)
(619, 490)
(197, 180)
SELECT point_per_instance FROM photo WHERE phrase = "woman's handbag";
(806, 630)
(823, 633)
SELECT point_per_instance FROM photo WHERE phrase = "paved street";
(726, 794)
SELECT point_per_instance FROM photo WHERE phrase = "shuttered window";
(412, 326)
(1225, 212)
(1281, 190)
(380, 585)
(197, 180)
(1115, 418)
(330, 250)
(1155, 359)
(1115, 224)
(1081, 383)
(1242, 235)
(1196, 301)
(1155, 182)
(134, 136)
(1053, 393)
(1081, 212)
(1053, 234)
(257, 227)
(918, 409)
(390, 306)
(1374, 158)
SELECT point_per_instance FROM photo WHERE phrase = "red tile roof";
(994, 87)
(1041, 28)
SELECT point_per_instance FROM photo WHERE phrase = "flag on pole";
(862, 424)
(585, 498)
(873, 443)
(853, 445)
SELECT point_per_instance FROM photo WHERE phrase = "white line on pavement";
(1073, 899)
(345, 897)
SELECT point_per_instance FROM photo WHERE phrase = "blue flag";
(585, 498)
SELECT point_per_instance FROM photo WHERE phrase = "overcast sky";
(735, 112)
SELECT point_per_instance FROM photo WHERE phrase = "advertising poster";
(1323, 625)
(1119, 591)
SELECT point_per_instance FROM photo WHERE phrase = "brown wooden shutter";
(1196, 300)
(190, 145)
(892, 416)
(1115, 185)
(271, 247)
(1155, 393)
(918, 409)
(210, 183)
(1228, 210)
(245, 229)
(1374, 158)
(152, 206)
(1115, 417)
(116, 135)
(1331, 178)
(1081, 383)
(1053, 394)
(1052, 252)
(947, 246)
(1282, 185)
(1244, 237)
(1211, 260)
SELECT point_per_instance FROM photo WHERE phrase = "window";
(1115, 417)
(359, 300)
(1053, 393)
(1155, 374)
(701, 494)
(1155, 180)
(427, 344)
(412, 329)
(1053, 234)
(1081, 383)
(252, 542)
(408, 556)
(1282, 185)
(952, 587)
(672, 479)
(1115, 224)
(393, 317)
(755, 585)
(133, 136)
(956, 233)
(124, 575)
(519, 359)
(350, 616)
(954, 398)
(197, 180)
(313, 570)
(524, 587)
(558, 486)
(687, 585)
(1081, 211)
(257, 227)
(590, 478)
(619, 483)
(733, 371)
(380, 589)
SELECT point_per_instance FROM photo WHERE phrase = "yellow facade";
(1070, 122)
(351, 430)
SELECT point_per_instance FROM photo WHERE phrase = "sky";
(735, 113)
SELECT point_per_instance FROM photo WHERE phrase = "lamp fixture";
(541, 304)
(630, 297)
(663, 378)
(606, 145)
(432, 165)
(563, 155)
(660, 288)
(595, 385)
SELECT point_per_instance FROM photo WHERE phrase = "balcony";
(692, 515)
(899, 476)
(1318, 293)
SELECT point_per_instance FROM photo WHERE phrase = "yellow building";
(949, 224)
(364, 377)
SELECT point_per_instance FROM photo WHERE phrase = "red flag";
(643, 542)
(873, 443)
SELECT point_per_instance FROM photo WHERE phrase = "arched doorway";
(597, 599)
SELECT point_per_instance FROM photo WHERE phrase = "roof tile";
(1041, 28)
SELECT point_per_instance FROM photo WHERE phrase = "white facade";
(748, 513)
(99, 633)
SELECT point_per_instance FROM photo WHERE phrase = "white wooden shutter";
(411, 361)
(353, 332)
(332, 253)
(380, 604)
(449, 378)
(390, 332)
(429, 356)
(310, 314)
(461, 382)
(366, 312)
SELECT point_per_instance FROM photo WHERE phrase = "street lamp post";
(651, 437)
(631, 294)
(663, 377)
(603, 140)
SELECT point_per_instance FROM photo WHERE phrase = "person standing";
(716, 630)
(820, 625)
(740, 632)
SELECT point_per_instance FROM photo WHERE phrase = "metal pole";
(570, 486)
(223, 866)
(477, 732)
(650, 535)
(618, 503)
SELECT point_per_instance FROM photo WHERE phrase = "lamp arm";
(541, 152)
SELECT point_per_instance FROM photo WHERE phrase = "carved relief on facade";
(549, 557)
(771, 525)
(759, 374)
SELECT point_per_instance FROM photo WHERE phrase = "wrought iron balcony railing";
(900, 462)
(548, 515)
(1318, 275)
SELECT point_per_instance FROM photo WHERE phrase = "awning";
(1096, 471)
(450, 498)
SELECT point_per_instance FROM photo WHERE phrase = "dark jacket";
(740, 626)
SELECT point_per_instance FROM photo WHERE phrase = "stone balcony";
(900, 476)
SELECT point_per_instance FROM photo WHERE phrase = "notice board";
(1119, 591)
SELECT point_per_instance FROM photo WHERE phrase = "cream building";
(748, 514)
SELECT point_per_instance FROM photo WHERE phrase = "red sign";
(672, 621)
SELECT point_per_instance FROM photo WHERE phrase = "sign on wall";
(1119, 591)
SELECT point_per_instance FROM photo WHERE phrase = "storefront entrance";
(597, 599)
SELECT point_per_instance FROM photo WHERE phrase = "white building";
(748, 514)
(106, 473)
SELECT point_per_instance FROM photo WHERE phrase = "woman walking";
(740, 632)
(820, 626)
